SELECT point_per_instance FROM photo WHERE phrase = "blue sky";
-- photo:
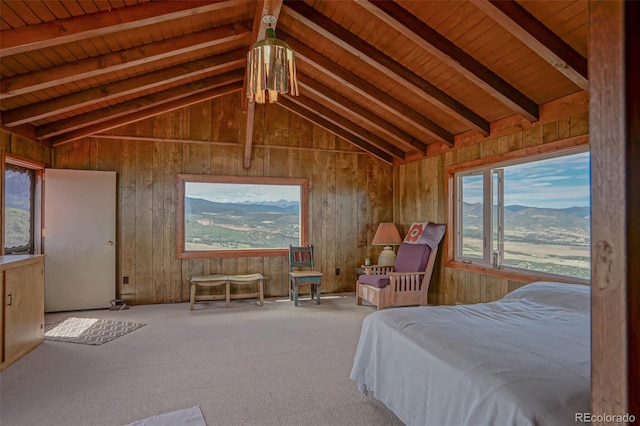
(553, 183)
(224, 193)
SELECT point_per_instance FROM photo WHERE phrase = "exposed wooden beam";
(329, 29)
(147, 113)
(232, 144)
(125, 108)
(48, 34)
(230, 60)
(339, 120)
(533, 33)
(433, 42)
(404, 139)
(286, 102)
(368, 90)
(234, 35)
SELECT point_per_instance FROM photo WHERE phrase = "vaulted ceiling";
(389, 77)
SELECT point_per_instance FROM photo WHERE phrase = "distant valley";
(551, 240)
(214, 225)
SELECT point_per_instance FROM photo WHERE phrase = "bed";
(522, 360)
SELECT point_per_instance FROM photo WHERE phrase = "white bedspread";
(523, 360)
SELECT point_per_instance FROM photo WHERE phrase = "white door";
(79, 239)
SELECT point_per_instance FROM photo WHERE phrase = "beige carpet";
(243, 365)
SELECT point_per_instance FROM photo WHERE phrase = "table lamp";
(387, 235)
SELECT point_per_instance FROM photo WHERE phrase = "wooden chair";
(302, 272)
(407, 282)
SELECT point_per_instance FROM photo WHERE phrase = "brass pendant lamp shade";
(271, 68)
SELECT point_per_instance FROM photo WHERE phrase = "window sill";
(512, 275)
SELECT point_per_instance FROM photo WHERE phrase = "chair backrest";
(301, 257)
(412, 257)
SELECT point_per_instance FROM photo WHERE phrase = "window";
(529, 216)
(223, 216)
(22, 201)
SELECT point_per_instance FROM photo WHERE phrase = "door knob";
(109, 243)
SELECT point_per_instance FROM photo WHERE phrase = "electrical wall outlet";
(125, 280)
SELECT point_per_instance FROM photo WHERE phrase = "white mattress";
(523, 360)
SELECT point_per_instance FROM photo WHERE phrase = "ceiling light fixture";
(271, 67)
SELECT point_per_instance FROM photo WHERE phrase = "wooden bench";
(226, 280)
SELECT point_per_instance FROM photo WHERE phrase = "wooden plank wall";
(349, 193)
(419, 189)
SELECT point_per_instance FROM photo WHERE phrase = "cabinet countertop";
(18, 260)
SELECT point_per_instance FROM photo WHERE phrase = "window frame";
(569, 146)
(38, 194)
(182, 179)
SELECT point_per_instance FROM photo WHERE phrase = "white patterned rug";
(187, 417)
(89, 331)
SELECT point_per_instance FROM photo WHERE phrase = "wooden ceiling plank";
(380, 98)
(49, 108)
(147, 113)
(286, 102)
(534, 34)
(329, 95)
(103, 64)
(384, 64)
(124, 108)
(33, 37)
(439, 46)
(263, 7)
(344, 123)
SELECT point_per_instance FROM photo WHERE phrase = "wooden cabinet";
(22, 307)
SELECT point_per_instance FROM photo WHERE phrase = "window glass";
(472, 216)
(547, 216)
(539, 217)
(18, 214)
(241, 216)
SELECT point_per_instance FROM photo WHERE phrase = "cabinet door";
(24, 309)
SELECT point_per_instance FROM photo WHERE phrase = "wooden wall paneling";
(414, 199)
(197, 161)
(348, 212)
(144, 215)
(93, 153)
(468, 153)
(361, 207)
(496, 288)
(450, 283)
(490, 147)
(532, 136)
(157, 219)
(28, 149)
(105, 154)
(117, 167)
(5, 141)
(330, 218)
(128, 218)
(550, 132)
(564, 128)
(82, 158)
(580, 124)
(174, 128)
(511, 142)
